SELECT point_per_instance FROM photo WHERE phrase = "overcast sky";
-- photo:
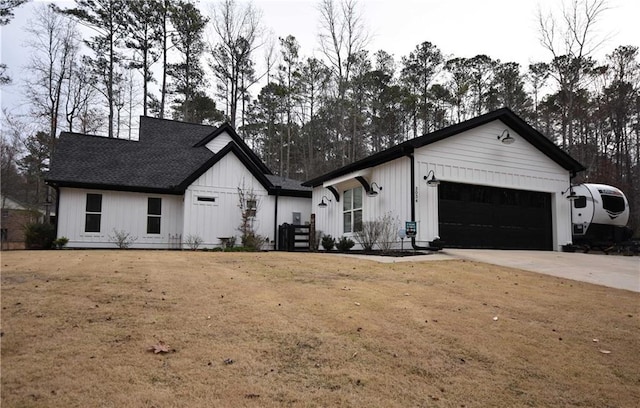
(502, 29)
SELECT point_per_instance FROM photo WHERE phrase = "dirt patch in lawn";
(82, 328)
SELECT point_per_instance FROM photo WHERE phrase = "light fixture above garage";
(322, 203)
(433, 181)
(572, 194)
(372, 192)
(506, 138)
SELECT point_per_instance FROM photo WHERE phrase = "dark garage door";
(473, 216)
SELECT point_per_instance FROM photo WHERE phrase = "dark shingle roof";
(507, 116)
(168, 157)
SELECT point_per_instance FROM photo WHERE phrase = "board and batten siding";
(477, 157)
(394, 199)
(218, 142)
(121, 211)
(219, 216)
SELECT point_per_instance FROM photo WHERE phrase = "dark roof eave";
(504, 114)
(401, 150)
(226, 127)
(282, 192)
(114, 187)
(234, 148)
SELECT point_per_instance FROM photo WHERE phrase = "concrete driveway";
(614, 271)
(620, 272)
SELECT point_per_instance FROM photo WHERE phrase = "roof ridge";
(179, 121)
(85, 135)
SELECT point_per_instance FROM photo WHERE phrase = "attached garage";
(489, 182)
(475, 216)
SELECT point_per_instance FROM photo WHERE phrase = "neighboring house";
(15, 216)
(177, 182)
(493, 193)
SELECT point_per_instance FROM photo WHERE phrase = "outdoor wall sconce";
(372, 192)
(506, 139)
(572, 194)
(433, 181)
(322, 203)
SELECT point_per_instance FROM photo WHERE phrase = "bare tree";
(237, 30)
(11, 147)
(53, 44)
(80, 101)
(342, 35)
(571, 40)
(6, 14)
(106, 19)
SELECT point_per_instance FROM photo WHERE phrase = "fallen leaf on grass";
(161, 347)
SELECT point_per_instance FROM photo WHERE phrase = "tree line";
(99, 64)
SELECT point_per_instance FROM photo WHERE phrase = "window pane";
(154, 206)
(347, 222)
(357, 197)
(357, 221)
(153, 225)
(580, 202)
(347, 204)
(94, 203)
(612, 203)
(92, 223)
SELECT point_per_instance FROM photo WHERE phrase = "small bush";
(345, 244)
(253, 242)
(388, 232)
(369, 235)
(60, 242)
(328, 242)
(39, 235)
(193, 241)
(122, 239)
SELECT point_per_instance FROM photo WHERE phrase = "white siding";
(395, 179)
(219, 142)
(212, 221)
(121, 211)
(477, 157)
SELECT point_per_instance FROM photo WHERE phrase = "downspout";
(413, 206)
(275, 219)
(57, 210)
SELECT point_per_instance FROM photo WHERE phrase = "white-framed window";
(352, 210)
(252, 207)
(206, 199)
(93, 213)
(154, 215)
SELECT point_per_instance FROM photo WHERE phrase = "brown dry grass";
(307, 330)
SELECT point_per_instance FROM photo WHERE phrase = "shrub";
(60, 242)
(193, 241)
(328, 242)
(388, 232)
(122, 239)
(369, 235)
(344, 244)
(253, 242)
(39, 235)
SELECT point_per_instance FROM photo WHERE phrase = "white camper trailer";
(599, 215)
